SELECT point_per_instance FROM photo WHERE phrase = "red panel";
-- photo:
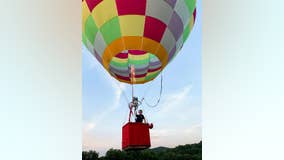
(135, 136)
(194, 14)
(123, 78)
(122, 55)
(137, 7)
(154, 28)
(153, 70)
(92, 4)
(140, 75)
(136, 52)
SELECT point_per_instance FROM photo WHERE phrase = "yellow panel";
(85, 14)
(120, 60)
(104, 11)
(155, 72)
(139, 79)
(137, 82)
(191, 22)
(132, 25)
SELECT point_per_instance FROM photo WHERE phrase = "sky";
(177, 118)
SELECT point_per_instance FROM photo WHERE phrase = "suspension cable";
(160, 95)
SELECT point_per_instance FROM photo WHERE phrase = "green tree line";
(181, 152)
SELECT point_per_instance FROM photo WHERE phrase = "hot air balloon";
(139, 35)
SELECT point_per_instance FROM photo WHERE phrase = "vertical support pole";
(132, 80)
(130, 112)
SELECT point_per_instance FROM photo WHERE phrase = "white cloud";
(101, 142)
(115, 103)
(88, 140)
(173, 121)
(172, 137)
(88, 126)
(174, 102)
(117, 88)
(194, 133)
(91, 139)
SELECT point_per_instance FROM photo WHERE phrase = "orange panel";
(137, 43)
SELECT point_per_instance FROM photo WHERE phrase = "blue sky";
(177, 119)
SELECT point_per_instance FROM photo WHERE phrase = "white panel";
(168, 41)
(160, 10)
(182, 11)
(100, 44)
(90, 46)
(179, 43)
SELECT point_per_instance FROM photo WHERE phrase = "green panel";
(190, 5)
(119, 65)
(138, 62)
(111, 30)
(84, 39)
(91, 29)
(153, 57)
(147, 78)
(186, 33)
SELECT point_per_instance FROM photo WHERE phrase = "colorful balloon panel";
(146, 34)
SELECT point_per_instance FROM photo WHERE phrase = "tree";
(181, 152)
(115, 154)
(90, 155)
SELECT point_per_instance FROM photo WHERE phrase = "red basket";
(135, 136)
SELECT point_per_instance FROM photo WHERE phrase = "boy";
(140, 117)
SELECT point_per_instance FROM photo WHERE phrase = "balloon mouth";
(146, 65)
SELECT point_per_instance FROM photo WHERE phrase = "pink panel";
(137, 7)
(154, 28)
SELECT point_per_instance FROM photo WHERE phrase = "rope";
(158, 101)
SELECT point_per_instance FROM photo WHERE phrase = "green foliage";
(90, 155)
(115, 154)
(181, 152)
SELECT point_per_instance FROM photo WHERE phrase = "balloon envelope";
(146, 34)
